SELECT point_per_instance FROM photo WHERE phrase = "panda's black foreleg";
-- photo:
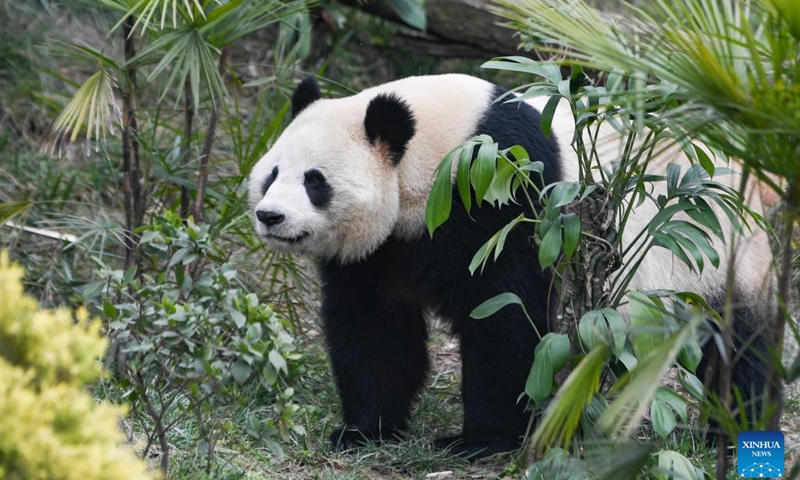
(377, 348)
(496, 355)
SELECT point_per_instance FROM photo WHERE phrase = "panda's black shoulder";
(519, 123)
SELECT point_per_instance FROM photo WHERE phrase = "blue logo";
(760, 454)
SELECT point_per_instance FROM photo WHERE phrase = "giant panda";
(347, 183)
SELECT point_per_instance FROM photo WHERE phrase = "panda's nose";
(269, 218)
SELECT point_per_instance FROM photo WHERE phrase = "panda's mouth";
(287, 239)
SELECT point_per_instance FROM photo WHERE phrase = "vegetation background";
(213, 341)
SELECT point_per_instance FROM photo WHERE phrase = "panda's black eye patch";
(268, 181)
(318, 189)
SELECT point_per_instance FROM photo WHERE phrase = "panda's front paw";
(348, 437)
(473, 448)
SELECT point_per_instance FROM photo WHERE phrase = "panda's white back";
(660, 268)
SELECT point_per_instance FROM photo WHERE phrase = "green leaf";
(705, 216)
(562, 193)
(483, 253)
(269, 375)
(558, 464)
(639, 386)
(501, 237)
(278, 361)
(499, 192)
(238, 318)
(672, 465)
(550, 247)
(462, 176)
(704, 160)
(548, 113)
(662, 418)
(437, 210)
(546, 70)
(550, 356)
(676, 402)
(540, 378)
(603, 326)
(666, 241)
(665, 214)
(109, 310)
(572, 233)
(410, 12)
(483, 167)
(494, 304)
(241, 371)
(691, 355)
(647, 324)
(9, 209)
(92, 106)
(673, 175)
(563, 414)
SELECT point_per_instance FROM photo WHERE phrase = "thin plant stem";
(132, 191)
(779, 325)
(188, 130)
(205, 155)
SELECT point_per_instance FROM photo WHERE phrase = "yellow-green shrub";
(50, 427)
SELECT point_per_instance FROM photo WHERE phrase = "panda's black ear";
(306, 93)
(389, 121)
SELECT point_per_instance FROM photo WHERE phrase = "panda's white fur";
(381, 272)
(660, 268)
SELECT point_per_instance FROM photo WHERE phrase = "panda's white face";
(324, 188)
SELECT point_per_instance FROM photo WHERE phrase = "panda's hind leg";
(496, 355)
(748, 370)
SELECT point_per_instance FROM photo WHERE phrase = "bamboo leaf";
(462, 176)
(494, 304)
(550, 247)
(440, 200)
(572, 233)
(550, 356)
(483, 167)
(548, 113)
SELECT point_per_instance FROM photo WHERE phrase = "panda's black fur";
(374, 309)
(380, 303)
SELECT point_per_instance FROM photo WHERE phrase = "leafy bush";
(190, 339)
(51, 427)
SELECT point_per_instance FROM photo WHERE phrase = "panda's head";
(329, 185)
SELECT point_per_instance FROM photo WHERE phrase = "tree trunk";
(459, 28)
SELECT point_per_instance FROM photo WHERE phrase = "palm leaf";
(92, 107)
(145, 10)
(563, 414)
(733, 56)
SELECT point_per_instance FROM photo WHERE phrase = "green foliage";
(51, 427)
(192, 338)
(550, 356)
(720, 71)
(579, 230)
